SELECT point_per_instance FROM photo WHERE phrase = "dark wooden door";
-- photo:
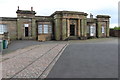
(72, 30)
(26, 32)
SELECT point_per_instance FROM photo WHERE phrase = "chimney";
(91, 16)
(31, 8)
(18, 7)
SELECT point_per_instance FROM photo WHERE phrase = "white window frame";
(40, 29)
(92, 30)
(26, 25)
(103, 29)
(3, 28)
(46, 28)
(50, 28)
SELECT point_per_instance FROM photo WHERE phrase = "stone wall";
(102, 20)
(114, 33)
(12, 28)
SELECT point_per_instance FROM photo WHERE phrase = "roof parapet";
(26, 11)
(103, 16)
(69, 12)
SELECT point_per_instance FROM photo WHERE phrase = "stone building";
(61, 25)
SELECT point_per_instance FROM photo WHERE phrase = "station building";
(61, 25)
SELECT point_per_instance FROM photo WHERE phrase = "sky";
(47, 7)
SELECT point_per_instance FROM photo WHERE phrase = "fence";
(114, 33)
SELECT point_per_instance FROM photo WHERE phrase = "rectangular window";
(50, 29)
(26, 25)
(39, 29)
(103, 29)
(45, 29)
(92, 30)
(3, 28)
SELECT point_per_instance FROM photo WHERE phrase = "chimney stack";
(91, 16)
(18, 7)
(31, 8)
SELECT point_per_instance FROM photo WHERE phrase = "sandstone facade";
(61, 25)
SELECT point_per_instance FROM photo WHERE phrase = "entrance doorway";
(26, 31)
(26, 27)
(72, 30)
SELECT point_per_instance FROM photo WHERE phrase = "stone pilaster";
(78, 27)
(85, 28)
(107, 27)
(34, 30)
(68, 27)
(64, 27)
(82, 27)
(57, 29)
(19, 28)
(98, 30)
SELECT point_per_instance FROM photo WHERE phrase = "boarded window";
(3, 28)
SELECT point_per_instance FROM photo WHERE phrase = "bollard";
(1, 46)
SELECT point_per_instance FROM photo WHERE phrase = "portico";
(70, 24)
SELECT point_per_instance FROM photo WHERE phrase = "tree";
(117, 28)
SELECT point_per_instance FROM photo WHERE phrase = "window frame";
(3, 28)
(46, 29)
(92, 30)
(103, 30)
(40, 27)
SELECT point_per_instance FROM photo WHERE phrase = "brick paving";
(29, 62)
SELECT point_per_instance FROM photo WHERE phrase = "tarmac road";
(88, 60)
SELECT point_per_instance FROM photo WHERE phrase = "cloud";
(47, 7)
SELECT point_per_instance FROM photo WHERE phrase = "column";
(98, 30)
(33, 29)
(19, 28)
(82, 27)
(64, 25)
(78, 27)
(85, 28)
(57, 29)
(107, 27)
(68, 27)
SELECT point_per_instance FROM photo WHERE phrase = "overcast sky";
(47, 7)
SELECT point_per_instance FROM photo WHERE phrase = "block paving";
(30, 62)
